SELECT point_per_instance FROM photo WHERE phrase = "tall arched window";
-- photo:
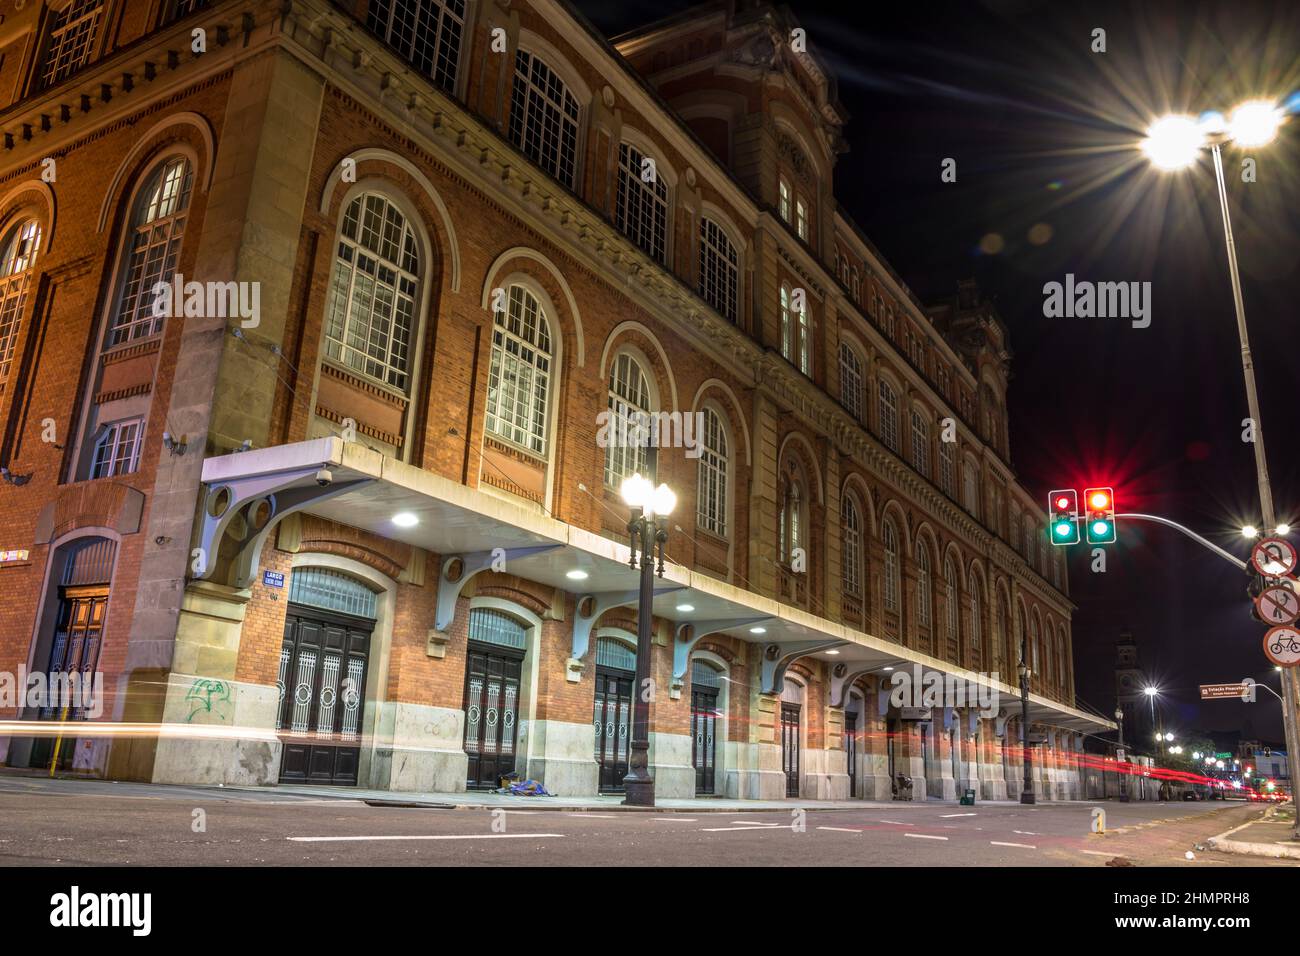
(519, 380)
(920, 442)
(950, 601)
(544, 118)
(426, 33)
(156, 230)
(629, 413)
(924, 588)
(850, 381)
(971, 488)
(719, 270)
(792, 521)
(712, 475)
(887, 415)
(851, 555)
(893, 585)
(374, 292)
(947, 466)
(17, 257)
(641, 211)
(976, 615)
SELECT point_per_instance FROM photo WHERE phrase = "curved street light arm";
(1190, 533)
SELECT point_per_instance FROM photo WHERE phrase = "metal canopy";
(366, 489)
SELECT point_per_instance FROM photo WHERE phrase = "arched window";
(17, 257)
(544, 118)
(920, 442)
(519, 379)
(851, 530)
(71, 40)
(1033, 646)
(950, 600)
(629, 425)
(374, 292)
(783, 206)
(787, 324)
(641, 211)
(947, 466)
(976, 613)
(712, 475)
(796, 331)
(887, 415)
(893, 585)
(719, 270)
(425, 33)
(155, 233)
(971, 488)
(791, 521)
(924, 589)
(850, 380)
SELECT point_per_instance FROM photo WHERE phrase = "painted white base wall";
(250, 759)
(416, 747)
(561, 756)
(670, 765)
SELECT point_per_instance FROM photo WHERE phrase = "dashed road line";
(840, 829)
(1023, 846)
(924, 836)
(946, 816)
(416, 836)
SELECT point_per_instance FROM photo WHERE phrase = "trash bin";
(968, 798)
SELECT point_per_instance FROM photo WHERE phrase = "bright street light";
(1173, 142)
(1150, 691)
(1249, 531)
(1284, 529)
(1254, 123)
(637, 492)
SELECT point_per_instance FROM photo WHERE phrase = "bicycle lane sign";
(1282, 645)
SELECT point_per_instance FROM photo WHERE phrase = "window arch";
(711, 495)
(156, 229)
(851, 380)
(924, 586)
(887, 415)
(544, 118)
(374, 292)
(641, 209)
(851, 553)
(719, 269)
(17, 258)
(893, 584)
(629, 414)
(519, 379)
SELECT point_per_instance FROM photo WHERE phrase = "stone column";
(758, 774)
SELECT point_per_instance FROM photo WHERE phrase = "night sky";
(1044, 132)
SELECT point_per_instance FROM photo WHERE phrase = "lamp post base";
(1028, 797)
(638, 792)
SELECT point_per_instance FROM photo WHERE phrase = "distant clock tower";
(1130, 680)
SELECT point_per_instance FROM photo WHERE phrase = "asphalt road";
(73, 823)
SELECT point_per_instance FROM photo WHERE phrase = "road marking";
(1023, 846)
(675, 819)
(898, 823)
(445, 836)
(924, 836)
(840, 829)
(755, 823)
(1096, 853)
(948, 816)
(1027, 832)
(597, 816)
(762, 829)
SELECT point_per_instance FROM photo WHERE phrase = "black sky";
(1043, 129)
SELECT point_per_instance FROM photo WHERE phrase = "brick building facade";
(348, 511)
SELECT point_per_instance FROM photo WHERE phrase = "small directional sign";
(1282, 646)
(1222, 691)
(1273, 557)
(1278, 604)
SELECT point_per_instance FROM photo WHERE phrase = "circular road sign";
(1282, 646)
(1278, 604)
(1273, 557)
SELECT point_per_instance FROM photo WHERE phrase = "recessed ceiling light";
(832, 651)
(758, 630)
(404, 519)
(686, 608)
(577, 574)
(887, 668)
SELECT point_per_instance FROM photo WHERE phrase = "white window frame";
(641, 208)
(924, 587)
(950, 585)
(17, 260)
(527, 425)
(783, 200)
(719, 280)
(439, 56)
(920, 442)
(887, 414)
(116, 448)
(712, 475)
(947, 467)
(530, 96)
(630, 406)
(74, 31)
(851, 378)
(851, 547)
(801, 218)
(892, 582)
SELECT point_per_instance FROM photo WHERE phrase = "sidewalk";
(1271, 836)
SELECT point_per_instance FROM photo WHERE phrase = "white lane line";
(897, 823)
(522, 813)
(675, 819)
(593, 816)
(947, 816)
(754, 823)
(840, 829)
(1027, 832)
(762, 829)
(1023, 846)
(924, 836)
(1096, 853)
(445, 836)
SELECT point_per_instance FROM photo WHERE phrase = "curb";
(1274, 851)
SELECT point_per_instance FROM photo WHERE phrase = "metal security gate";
(322, 684)
(704, 719)
(613, 723)
(491, 713)
(790, 748)
(851, 749)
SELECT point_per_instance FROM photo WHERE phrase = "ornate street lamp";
(1123, 782)
(1026, 794)
(648, 504)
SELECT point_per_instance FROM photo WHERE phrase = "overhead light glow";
(577, 574)
(758, 630)
(686, 608)
(1284, 528)
(1173, 142)
(832, 652)
(404, 519)
(1249, 531)
(1254, 123)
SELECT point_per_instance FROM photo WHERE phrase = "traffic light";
(1063, 516)
(1099, 515)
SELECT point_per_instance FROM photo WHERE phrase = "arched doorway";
(494, 660)
(791, 734)
(706, 688)
(324, 662)
(612, 717)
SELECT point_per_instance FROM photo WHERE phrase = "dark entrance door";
(78, 630)
(704, 717)
(491, 713)
(322, 695)
(790, 748)
(613, 723)
(851, 749)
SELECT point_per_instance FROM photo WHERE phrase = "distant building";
(1130, 682)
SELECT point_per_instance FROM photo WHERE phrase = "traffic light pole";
(1290, 711)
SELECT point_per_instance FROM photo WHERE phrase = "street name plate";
(1220, 691)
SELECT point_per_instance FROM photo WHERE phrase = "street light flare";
(1254, 123)
(1173, 141)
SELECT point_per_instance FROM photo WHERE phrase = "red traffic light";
(1099, 500)
(1062, 503)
